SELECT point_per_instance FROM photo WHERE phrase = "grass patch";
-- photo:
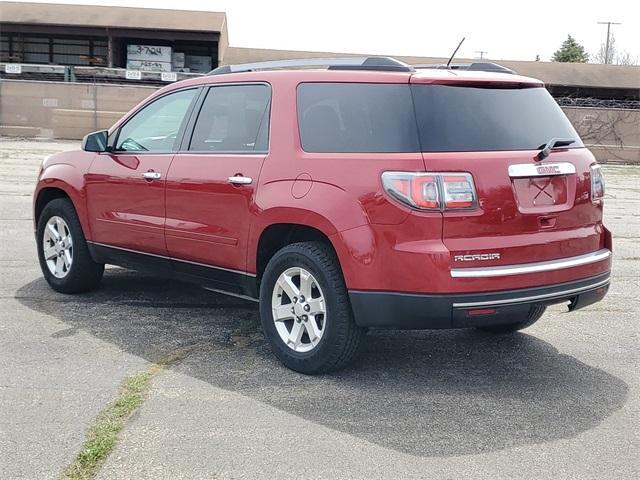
(102, 436)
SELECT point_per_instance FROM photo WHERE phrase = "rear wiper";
(545, 150)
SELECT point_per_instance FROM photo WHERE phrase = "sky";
(506, 30)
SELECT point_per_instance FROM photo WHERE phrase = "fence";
(70, 110)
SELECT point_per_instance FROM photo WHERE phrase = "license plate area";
(543, 188)
(541, 193)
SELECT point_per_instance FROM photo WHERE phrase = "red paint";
(208, 218)
(193, 213)
(125, 209)
(482, 311)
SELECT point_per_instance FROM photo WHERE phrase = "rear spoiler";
(475, 66)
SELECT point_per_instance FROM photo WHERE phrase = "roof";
(114, 17)
(292, 77)
(551, 73)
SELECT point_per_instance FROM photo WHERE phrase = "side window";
(155, 127)
(233, 118)
(356, 117)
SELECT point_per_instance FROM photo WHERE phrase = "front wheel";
(534, 314)
(65, 260)
(305, 311)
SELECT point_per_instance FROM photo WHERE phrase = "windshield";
(461, 118)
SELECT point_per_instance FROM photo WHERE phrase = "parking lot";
(560, 400)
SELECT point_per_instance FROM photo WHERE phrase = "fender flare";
(73, 187)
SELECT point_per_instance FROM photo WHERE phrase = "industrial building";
(112, 37)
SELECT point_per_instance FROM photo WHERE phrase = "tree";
(611, 55)
(570, 51)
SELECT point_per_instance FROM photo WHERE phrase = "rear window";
(380, 118)
(458, 118)
(356, 117)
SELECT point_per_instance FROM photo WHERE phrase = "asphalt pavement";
(559, 400)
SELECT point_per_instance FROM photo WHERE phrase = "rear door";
(212, 181)
(530, 210)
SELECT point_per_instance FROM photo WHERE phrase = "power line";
(607, 59)
(482, 53)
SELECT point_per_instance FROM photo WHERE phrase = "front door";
(125, 187)
(211, 184)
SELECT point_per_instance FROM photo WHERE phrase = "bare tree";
(626, 59)
(607, 52)
(611, 56)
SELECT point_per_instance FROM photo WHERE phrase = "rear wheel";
(534, 314)
(305, 311)
(65, 260)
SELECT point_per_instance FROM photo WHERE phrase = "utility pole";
(607, 59)
(481, 52)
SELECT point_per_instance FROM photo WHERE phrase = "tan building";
(46, 33)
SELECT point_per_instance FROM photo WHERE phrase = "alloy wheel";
(57, 247)
(299, 309)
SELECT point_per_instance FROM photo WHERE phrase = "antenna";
(454, 52)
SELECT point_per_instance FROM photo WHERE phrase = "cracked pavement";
(559, 400)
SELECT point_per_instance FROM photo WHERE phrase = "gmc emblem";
(476, 256)
(548, 170)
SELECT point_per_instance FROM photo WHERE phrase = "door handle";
(152, 175)
(240, 180)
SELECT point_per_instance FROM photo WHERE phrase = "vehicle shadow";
(432, 393)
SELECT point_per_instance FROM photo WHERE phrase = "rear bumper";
(423, 311)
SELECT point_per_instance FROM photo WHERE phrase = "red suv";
(365, 193)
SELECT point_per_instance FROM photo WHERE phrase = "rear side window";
(356, 117)
(233, 118)
(458, 118)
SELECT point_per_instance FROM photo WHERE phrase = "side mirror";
(95, 141)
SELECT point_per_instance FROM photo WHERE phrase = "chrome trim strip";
(541, 169)
(533, 298)
(237, 295)
(248, 274)
(524, 268)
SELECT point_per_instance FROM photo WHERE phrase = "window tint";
(356, 117)
(156, 126)
(456, 118)
(233, 118)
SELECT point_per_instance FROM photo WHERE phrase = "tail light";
(432, 191)
(597, 183)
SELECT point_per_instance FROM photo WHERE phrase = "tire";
(535, 312)
(81, 273)
(339, 336)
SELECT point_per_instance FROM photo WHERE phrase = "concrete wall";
(63, 110)
(70, 110)
(612, 134)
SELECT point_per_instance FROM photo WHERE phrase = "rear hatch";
(529, 209)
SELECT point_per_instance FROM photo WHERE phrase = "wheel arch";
(278, 235)
(52, 189)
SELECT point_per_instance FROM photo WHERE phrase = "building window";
(57, 50)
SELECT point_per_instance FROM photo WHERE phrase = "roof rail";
(386, 64)
(475, 66)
